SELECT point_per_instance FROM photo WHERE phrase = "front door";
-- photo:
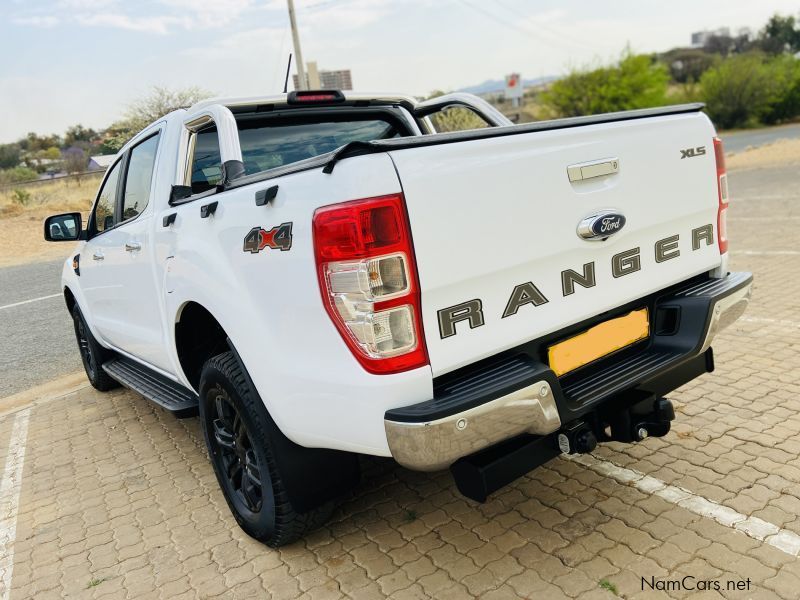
(126, 300)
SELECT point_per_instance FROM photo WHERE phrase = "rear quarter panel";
(270, 305)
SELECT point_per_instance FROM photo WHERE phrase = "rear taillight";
(722, 188)
(368, 278)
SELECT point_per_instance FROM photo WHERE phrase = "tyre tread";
(290, 525)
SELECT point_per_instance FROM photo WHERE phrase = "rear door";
(495, 223)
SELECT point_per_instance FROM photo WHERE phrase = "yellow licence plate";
(598, 341)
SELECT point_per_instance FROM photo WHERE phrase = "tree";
(51, 153)
(75, 162)
(9, 156)
(638, 81)
(34, 142)
(688, 64)
(78, 133)
(738, 91)
(784, 103)
(780, 35)
(161, 101)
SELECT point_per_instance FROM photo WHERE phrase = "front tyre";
(93, 355)
(238, 432)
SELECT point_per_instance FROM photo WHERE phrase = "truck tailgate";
(488, 215)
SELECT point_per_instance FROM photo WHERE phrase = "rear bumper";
(516, 393)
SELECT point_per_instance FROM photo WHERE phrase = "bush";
(17, 174)
(784, 103)
(637, 82)
(21, 197)
(748, 89)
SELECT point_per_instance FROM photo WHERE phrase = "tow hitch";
(632, 420)
(650, 417)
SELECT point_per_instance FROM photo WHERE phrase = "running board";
(169, 395)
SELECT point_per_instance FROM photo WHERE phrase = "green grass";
(94, 583)
(608, 586)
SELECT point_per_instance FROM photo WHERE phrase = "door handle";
(132, 246)
(592, 169)
(98, 256)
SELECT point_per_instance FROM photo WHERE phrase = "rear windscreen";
(275, 142)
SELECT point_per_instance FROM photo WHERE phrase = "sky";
(64, 62)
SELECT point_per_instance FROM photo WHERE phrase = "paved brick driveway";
(118, 500)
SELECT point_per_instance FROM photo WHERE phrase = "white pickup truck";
(325, 275)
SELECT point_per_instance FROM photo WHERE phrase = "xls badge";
(277, 238)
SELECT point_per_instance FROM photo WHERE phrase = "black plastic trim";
(486, 383)
(168, 394)
(208, 209)
(657, 365)
(266, 196)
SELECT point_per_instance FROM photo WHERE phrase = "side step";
(168, 394)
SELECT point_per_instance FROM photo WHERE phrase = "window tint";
(206, 162)
(274, 142)
(270, 144)
(104, 209)
(138, 178)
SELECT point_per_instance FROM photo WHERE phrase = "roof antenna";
(286, 80)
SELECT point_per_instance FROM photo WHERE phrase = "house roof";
(103, 160)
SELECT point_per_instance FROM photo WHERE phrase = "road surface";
(37, 342)
(741, 140)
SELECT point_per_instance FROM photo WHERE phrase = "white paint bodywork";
(485, 215)
(490, 214)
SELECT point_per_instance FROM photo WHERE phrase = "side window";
(206, 164)
(138, 178)
(106, 200)
(456, 118)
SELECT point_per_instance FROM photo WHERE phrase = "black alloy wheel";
(237, 458)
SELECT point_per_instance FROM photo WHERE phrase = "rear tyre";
(92, 354)
(239, 435)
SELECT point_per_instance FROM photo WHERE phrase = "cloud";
(159, 25)
(205, 14)
(160, 17)
(44, 21)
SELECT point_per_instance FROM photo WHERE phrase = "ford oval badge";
(601, 225)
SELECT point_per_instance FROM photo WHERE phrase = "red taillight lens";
(722, 189)
(368, 278)
(315, 97)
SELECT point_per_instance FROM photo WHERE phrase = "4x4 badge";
(277, 238)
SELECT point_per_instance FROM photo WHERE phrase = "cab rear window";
(275, 142)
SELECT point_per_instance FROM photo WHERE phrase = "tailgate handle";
(592, 169)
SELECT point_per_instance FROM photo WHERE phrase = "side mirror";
(63, 228)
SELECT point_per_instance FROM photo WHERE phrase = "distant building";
(100, 162)
(325, 80)
(700, 38)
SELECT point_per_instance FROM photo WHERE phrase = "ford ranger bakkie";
(322, 275)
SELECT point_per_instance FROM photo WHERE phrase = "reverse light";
(722, 188)
(368, 279)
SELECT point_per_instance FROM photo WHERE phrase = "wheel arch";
(198, 336)
(69, 298)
